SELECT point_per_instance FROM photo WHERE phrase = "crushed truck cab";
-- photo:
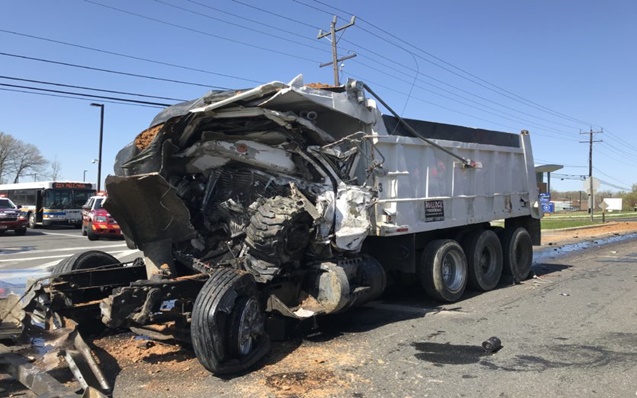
(293, 201)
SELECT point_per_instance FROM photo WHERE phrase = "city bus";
(50, 203)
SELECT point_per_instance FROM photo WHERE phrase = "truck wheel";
(86, 260)
(90, 233)
(484, 259)
(279, 231)
(517, 248)
(228, 323)
(443, 270)
(20, 232)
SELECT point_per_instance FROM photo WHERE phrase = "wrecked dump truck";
(294, 201)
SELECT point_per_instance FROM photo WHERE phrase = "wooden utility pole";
(590, 166)
(332, 34)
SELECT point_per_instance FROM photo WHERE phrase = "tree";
(55, 172)
(27, 158)
(7, 150)
(18, 158)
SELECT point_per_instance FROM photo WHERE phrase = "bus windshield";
(65, 198)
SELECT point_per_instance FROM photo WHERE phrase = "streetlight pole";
(84, 176)
(99, 158)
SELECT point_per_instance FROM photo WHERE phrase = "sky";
(558, 69)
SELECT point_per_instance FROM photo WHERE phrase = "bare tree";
(18, 158)
(27, 157)
(55, 172)
(7, 150)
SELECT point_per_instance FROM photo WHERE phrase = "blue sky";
(555, 68)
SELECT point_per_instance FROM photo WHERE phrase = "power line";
(417, 72)
(490, 86)
(76, 98)
(129, 56)
(199, 31)
(110, 71)
(242, 26)
(84, 95)
(89, 88)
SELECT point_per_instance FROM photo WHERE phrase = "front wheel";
(443, 270)
(91, 233)
(228, 323)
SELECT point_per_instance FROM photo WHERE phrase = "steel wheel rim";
(250, 326)
(451, 272)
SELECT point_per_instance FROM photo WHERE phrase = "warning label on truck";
(434, 210)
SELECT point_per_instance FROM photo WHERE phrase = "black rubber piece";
(85, 260)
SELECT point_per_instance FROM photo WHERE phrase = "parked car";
(12, 218)
(97, 221)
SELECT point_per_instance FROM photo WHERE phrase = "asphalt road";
(570, 332)
(35, 254)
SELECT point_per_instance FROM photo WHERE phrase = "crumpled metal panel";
(147, 209)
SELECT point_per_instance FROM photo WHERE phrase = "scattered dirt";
(572, 235)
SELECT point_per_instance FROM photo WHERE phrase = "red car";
(11, 218)
(97, 222)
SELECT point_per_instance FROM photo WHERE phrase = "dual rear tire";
(447, 268)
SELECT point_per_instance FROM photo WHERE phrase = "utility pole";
(590, 166)
(332, 34)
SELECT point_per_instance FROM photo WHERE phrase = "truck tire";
(228, 323)
(517, 248)
(484, 259)
(279, 231)
(86, 260)
(443, 270)
(20, 231)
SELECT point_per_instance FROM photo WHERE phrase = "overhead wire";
(76, 98)
(472, 78)
(88, 88)
(381, 56)
(200, 31)
(68, 64)
(128, 56)
(83, 95)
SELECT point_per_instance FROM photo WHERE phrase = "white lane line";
(67, 235)
(18, 252)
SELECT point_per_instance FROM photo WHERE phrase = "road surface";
(571, 331)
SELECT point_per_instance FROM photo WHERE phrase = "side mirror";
(18, 206)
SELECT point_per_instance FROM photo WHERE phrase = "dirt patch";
(312, 369)
(572, 235)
